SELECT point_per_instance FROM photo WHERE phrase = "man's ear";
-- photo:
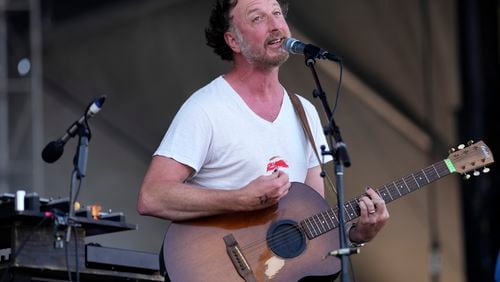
(232, 42)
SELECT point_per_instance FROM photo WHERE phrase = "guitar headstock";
(472, 157)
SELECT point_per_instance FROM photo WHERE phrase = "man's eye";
(277, 13)
(257, 18)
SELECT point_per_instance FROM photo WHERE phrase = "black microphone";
(54, 150)
(294, 46)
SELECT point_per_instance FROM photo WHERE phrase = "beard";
(258, 56)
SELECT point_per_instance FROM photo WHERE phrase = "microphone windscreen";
(53, 151)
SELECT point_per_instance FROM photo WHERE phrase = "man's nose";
(274, 23)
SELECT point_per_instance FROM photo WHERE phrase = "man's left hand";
(374, 216)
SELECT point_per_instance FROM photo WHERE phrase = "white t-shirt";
(228, 145)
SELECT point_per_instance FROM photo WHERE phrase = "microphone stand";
(79, 172)
(338, 151)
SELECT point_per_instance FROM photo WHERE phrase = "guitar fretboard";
(325, 221)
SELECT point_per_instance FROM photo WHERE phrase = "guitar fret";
(427, 178)
(317, 225)
(326, 223)
(353, 213)
(312, 228)
(402, 191)
(420, 179)
(393, 190)
(436, 170)
(330, 219)
(321, 223)
(394, 183)
(412, 182)
(415, 180)
(329, 214)
(389, 192)
(431, 173)
(406, 185)
(384, 194)
(326, 220)
(335, 216)
(358, 209)
(355, 208)
(347, 212)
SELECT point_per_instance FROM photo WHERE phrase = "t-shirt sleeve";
(187, 140)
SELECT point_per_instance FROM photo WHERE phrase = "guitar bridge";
(239, 261)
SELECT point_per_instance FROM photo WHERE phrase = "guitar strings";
(276, 239)
(252, 248)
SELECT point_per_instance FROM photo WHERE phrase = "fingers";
(377, 203)
(281, 185)
(363, 208)
(368, 204)
(269, 189)
(374, 215)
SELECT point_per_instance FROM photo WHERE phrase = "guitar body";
(195, 250)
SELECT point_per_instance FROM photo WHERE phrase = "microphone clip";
(343, 252)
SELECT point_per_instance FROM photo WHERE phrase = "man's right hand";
(265, 190)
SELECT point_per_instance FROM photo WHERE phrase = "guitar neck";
(323, 222)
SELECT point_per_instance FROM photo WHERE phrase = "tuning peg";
(466, 176)
(451, 150)
(461, 146)
(476, 173)
(486, 169)
(470, 142)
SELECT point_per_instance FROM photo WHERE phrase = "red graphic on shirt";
(273, 165)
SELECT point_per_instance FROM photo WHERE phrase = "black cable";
(77, 192)
(337, 97)
(87, 120)
(76, 255)
(72, 201)
(21, 246)
(75, 234)
(78, 188)
(338, 87)
(66, 258)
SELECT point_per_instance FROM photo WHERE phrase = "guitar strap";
(299, 109)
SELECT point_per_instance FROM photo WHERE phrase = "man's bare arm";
(165, 194)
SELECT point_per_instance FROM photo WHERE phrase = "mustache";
(276, 35)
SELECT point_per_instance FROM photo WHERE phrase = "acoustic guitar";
(289, 240)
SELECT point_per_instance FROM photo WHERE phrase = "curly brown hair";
(220, 22)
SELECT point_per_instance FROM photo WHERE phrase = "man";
(236, 144)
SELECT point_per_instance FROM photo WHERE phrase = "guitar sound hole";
(285, 239)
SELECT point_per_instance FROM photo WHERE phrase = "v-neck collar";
(239, 100)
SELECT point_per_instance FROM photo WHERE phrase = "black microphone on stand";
(54, 150)
(294, 46)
